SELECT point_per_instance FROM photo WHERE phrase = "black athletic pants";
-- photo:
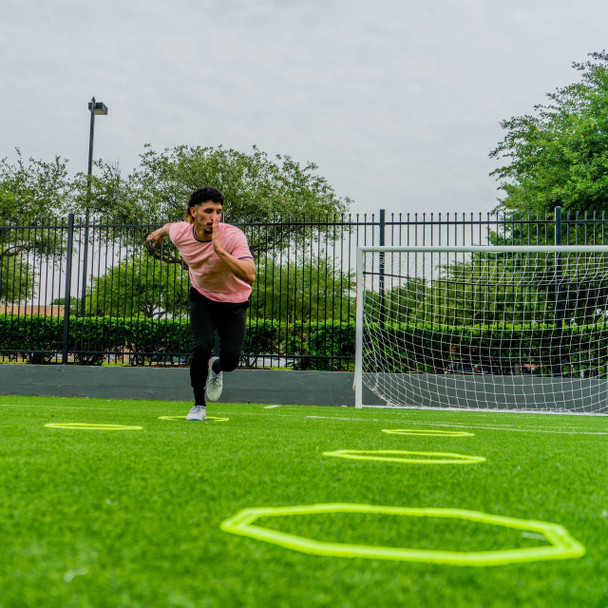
(206, 316)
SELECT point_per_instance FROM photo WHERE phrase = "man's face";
(205, 214)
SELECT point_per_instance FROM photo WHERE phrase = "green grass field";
(111, 518)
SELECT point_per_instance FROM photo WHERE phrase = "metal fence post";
(382, 228)
(68, 286)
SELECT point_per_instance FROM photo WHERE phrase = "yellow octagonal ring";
(406, 456)
(562, 545)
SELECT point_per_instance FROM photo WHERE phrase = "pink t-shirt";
(208, 274)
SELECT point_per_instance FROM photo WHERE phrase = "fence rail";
(93, 292)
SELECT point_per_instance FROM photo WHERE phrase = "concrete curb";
(173, 384)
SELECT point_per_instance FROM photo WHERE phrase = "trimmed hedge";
(316, 345)
(38, 339)
(499, 348)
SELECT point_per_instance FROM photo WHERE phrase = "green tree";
(488, 289)
(34, 190)
(313, 289)
(558, 156)
(137, 287)
(254, 185)
(17, 280)
(402, 304)
(33, 193)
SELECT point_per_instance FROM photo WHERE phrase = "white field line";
(383, 421)
(466, 426)
(440, 424)
(61, 407)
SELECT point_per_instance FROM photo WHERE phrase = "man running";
(221, 271)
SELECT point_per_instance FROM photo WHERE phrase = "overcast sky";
(398, 102)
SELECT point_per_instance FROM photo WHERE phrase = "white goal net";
(509, 328)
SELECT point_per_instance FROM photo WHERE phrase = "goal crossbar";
(485, 248)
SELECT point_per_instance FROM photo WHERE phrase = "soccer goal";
(486, 327)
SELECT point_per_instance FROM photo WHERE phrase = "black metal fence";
(94, 293)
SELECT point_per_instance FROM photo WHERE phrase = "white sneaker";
(198, 412)
(215, 384)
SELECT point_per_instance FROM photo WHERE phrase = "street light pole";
(92, 104)
(96, 108)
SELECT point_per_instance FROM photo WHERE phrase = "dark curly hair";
(202, 195)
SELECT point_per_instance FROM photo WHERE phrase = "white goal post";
(519, 328)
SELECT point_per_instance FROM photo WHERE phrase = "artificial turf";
(132, 517)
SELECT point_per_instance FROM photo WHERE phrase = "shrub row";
(38, 339)
(314, 345)
(498, 348)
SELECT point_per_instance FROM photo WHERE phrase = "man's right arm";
(158, 236)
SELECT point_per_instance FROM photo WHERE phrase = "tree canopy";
(254, 185)
(33, 189)
(29, 190)
(558, 155)
(133, 288)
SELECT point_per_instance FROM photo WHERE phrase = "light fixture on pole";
(96, 108)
